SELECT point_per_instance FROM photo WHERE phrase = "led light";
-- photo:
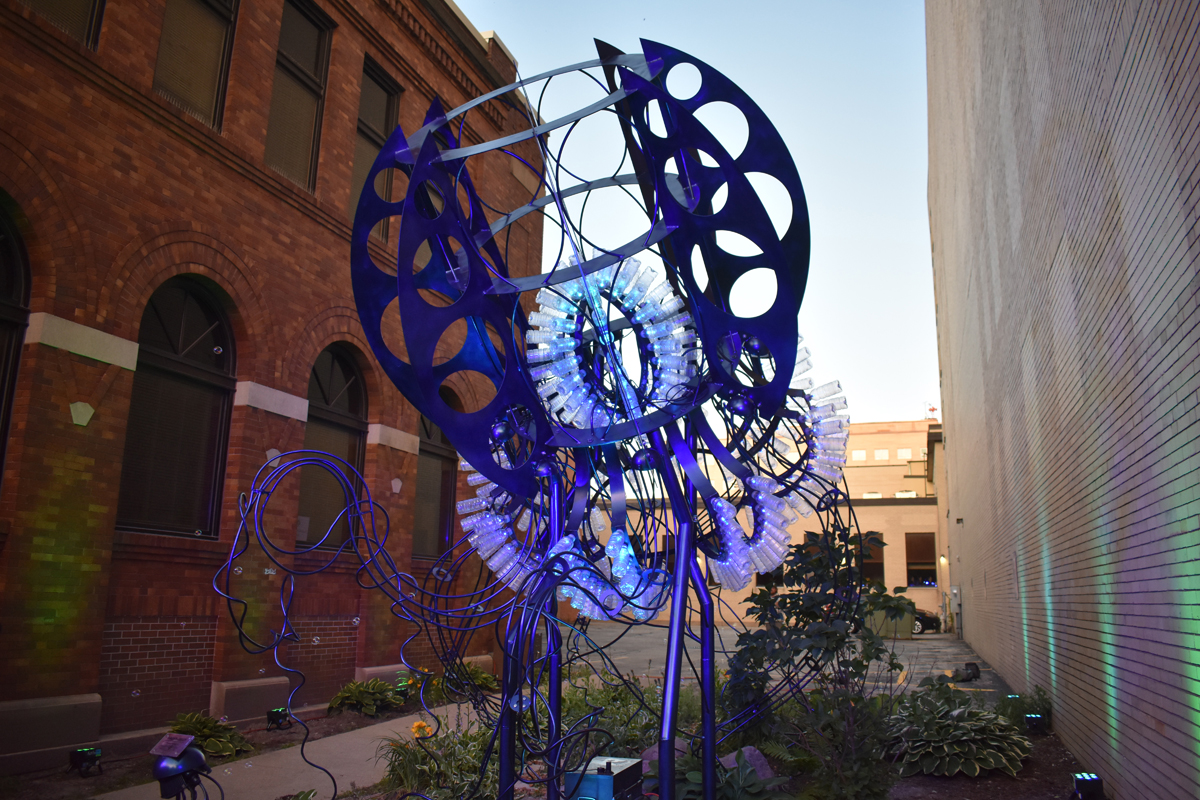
(825, 390)
(548, 322)
(471, 505)
(551, 299)
(800, 384)
(829, 408)
(661, 329)
(478, 479)
(547, 337)
(801, 368)
(831, 425)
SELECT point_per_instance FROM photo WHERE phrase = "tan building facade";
(891, 478)
(893, 492)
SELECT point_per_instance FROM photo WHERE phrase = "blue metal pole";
(708, 681)
(684, 556)
(554, 658)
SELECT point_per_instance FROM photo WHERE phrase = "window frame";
(91, 36)
(910, 565)
(373, 70)
(341, 419)
(430, 445)
(228, 9)
(315, 83)
(160, 361)
(14, 311)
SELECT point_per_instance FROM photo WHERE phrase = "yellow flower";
(421, 729)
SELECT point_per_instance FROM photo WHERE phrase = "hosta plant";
(937, 732)
(213, 736)
(365, 697)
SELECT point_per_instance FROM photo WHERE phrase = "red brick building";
(177, 182)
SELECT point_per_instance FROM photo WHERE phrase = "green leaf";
(970, 768)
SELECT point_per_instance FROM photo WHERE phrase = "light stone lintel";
(392, 437)
(82, 340)
(256, 395)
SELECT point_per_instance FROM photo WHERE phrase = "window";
(79, 18)
(858, 455)
(14, 314)
(872, 569)
(919, 552)
(193, 55)
(437, 462)
(904, 454)
(376, 119)
(337, 424)
(773, 580)
(178, 414)
(906, 493)
(872, 496)
(881, 455)
(294, 126)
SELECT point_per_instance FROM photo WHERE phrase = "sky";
(844, 84)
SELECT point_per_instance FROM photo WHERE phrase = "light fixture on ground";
(278, 718)
(84, 760)
(1035, 723)
(1088, 786)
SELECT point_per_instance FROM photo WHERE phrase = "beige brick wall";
(1062, 191)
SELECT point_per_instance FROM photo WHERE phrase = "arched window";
(437, 471)
(178, 415)
(337, 424)
(14, 315)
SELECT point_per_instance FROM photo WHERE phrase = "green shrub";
(366, 697)
(937, 732)
(212, 736)
(443, 767)
(1015, 708)
(840, 737)
(740, 783)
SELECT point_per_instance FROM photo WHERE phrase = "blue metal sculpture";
(634, 400)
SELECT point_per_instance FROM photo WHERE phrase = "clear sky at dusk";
(844, 83)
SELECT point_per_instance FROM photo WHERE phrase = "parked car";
(926, 621)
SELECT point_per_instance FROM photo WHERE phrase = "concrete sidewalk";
(349, 756)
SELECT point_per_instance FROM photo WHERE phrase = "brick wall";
(325, 654)
(152, 668)
(117, 191)
(1064, 155)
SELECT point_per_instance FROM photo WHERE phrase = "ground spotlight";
(279, 718)
(1088, 786)
(1035, 723)
(85, 759)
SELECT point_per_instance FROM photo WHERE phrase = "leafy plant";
(212, 735)
(456, 684)
(365, 697)
(1015, 708)
(445, 766)
(740, 783)
(843, 737)
(818, 622)
(937, 732)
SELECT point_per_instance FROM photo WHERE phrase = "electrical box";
(606, 778)
(955, 596)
